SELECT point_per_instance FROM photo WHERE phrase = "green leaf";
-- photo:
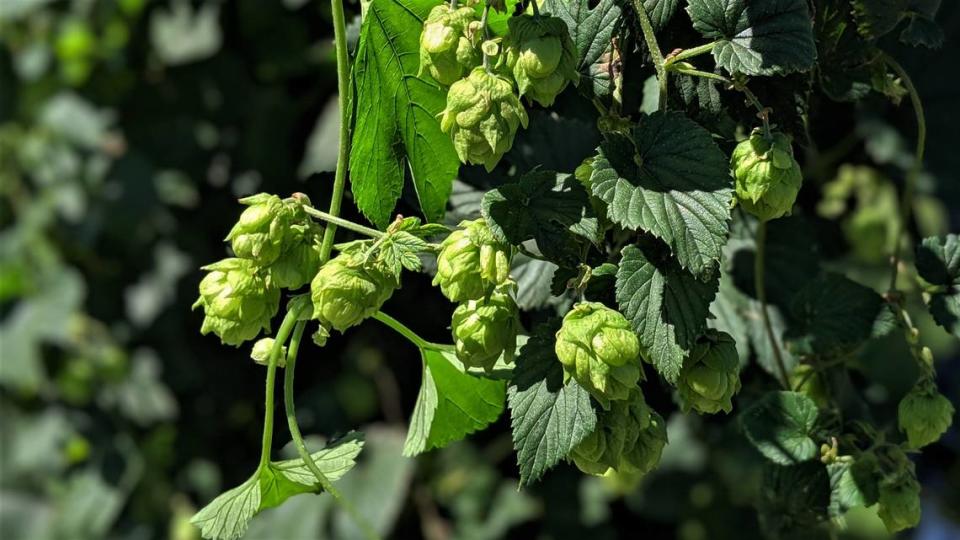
(876, 18)
(549, 418)
(938, 263)
(453, 402)
(780, 425)
(832, 316)
(534, 278)
(228, 516)
(667, 306)
(660, 12)
(851, 485)
(670, 179)
(591, 30)
(793, 501)
(545, 206)
(773, 37)
(396, 116)
(401, 249)
(922, 31)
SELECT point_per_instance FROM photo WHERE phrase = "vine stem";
(690, 53)
(402, 329)
(289, 320)
(906, 200)
(751, 97)
(343, 154)
(760, 286)
(339, 221)
(648, 35)
(297, 437)
(486, 36)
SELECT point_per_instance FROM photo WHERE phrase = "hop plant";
(259, 233)
(237, 301)
(710, 375)
(449, 43)
(767, 176)
(484, 329)
(482, 117)
(628, 439)
(924, 414)
(598, 348)
(541, 56)
(346, 291)
(899, 500)
(471, 262)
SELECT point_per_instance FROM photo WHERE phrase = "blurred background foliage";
(129, 128)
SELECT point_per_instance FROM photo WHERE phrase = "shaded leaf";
(938, 263)
(781, 425)
(591, 30)
(833, 315)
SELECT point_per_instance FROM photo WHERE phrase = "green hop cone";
(629, 439)
(710, 375)
(260, 353)
(260, 231)
(541, 56)
(899, 500)
(345, 291)
(299, 259)
(767, 177)
(237, 301)
(598, 348)
(449, 43)
(924, 414)
(484, 329)
(482, 117)
(471, 262)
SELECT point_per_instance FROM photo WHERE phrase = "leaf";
(545, 206)
(452, 403)
(667, 306)
(549, 418)
(922, 31)
(832, 316)
(938, 263)
(670, 179)
(660, 12)
(850, 486)
(876, 18)
(772, 37)
(228, 516)
(396, 116)
(401, 249)
(780, 425)
(591, 30)
(793, 501)
(534, 278)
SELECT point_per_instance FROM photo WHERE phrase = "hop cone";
(472, 262)
(345, 291)
(924, 414)
(259, 233)
(237, 301)
(482, 117)
(628, 439)
(541, 56)
(767, 177)
(710, 375)
(484, 329)
(449, 43)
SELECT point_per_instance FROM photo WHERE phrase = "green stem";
(690, 53)
(906, 200)
(751, 97)
(536, 8)
(297, 437)
(648, 35)
(345, 223)
(343, 154)
(289, 320)
(486, 36)
(402, 329)
(703, 74)
(760, 286)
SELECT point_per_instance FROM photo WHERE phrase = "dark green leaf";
(833, 315)
(922, 31)
(667, 306)
(591, 30)
(876, 18)
(848, 484)
(773, 37)
(545, 206)
(669, 179)
(781, 425)
(794, 501)
(396, 116)
(549, 418)
(938, 263)
(660, 12)
(452, 403)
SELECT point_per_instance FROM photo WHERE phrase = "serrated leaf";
(534, 278)
(794, 501)
(922, 31)
(780, 425)
(876, 18)
(938, 263)
(228, 516)
(832, 316)
(670, 179)
(549, 418)
(591, 30)
(850, 487)
(401, 249)
(773, 37)
(452, 403)
(660, 12)
(667, 306)
(396, 116)
(545, 206)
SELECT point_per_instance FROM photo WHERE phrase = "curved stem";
(760, 286)
(690, 53)
(343, 153)
(906, 200)
(339, 221)
(648, 35)
(751, 97)
(289, 320)
(297, 437)
(402, 329)
(486, 35)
